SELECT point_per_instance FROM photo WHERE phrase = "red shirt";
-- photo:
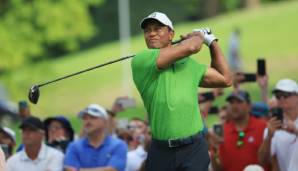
(236, 158)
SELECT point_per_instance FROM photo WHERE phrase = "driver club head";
(34, 94)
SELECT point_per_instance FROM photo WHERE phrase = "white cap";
(286, 85)
(161, 17)
(94, 110)
(9, 132)
(253, 167)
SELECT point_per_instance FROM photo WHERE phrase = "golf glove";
(208, 36)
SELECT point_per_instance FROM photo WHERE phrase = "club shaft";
(85, 70)
(92, 68)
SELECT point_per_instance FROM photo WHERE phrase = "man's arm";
(219, 74)
(169, 55)
(264, 153)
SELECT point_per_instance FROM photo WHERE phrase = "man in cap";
(167, 80)
(243, 135)
(281, 135)
(36, 156)
(97, 151)
(8, 140)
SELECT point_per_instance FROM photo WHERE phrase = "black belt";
(178, 142)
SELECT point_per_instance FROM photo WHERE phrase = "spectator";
(260, 110)
(234, 57)
(36, 156)
(243, 135)
(138, 154)
(24, 110)
(97, 150)
(279, 144)
(59, 132)
(2, 160)
(139, 130)
(8, 137)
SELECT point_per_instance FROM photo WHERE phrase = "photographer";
(281, 134)
(241, 135)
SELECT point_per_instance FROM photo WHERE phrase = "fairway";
(269, 32)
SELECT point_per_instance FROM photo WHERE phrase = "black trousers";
(191, 157)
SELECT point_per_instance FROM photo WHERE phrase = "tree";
(33, 29)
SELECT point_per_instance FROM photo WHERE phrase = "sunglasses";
(240, 140)
(285, 95)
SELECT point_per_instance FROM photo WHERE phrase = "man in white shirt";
(281, 136)
(36, 156)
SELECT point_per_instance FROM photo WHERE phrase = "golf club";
(34, 92)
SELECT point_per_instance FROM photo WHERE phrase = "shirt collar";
(41, 154)
(249, 126)
(105, 141)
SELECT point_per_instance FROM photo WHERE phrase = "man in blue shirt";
(97, 151)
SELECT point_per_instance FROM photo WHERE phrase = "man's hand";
(208, 36)
(273, 125)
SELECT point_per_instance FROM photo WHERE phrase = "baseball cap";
(259, 109)
(286, 85)
(253, 167)
(161, 17)
(240, 95)
(32, 122)
(9, 132)
(94, 110)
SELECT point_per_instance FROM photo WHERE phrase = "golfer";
(167, 79)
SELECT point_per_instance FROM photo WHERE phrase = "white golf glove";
(208, 36)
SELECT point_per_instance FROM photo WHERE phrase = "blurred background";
(43, 40)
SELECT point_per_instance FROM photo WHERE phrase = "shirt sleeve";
(144, 67)
(71, 157)
(119, 157)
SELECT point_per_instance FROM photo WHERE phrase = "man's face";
(31, 136)
(237, 109)
(93, 124)
(287, 101)
(157, 35)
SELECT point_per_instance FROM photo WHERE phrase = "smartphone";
(207, 96)
(218, 129)
(213, 110)
(249, 77)
(261, 67)
(277, 112)
(126, 102)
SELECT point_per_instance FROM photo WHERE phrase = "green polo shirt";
(169, 95)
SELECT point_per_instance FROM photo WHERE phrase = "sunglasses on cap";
(240, 141)
(281, 94)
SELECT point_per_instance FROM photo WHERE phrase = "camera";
(261, 67)
(246, 77)
(218, 129)
(207, 96)
(277, 112)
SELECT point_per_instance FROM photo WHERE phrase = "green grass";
(269, 31)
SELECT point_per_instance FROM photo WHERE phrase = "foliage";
(31, 29)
